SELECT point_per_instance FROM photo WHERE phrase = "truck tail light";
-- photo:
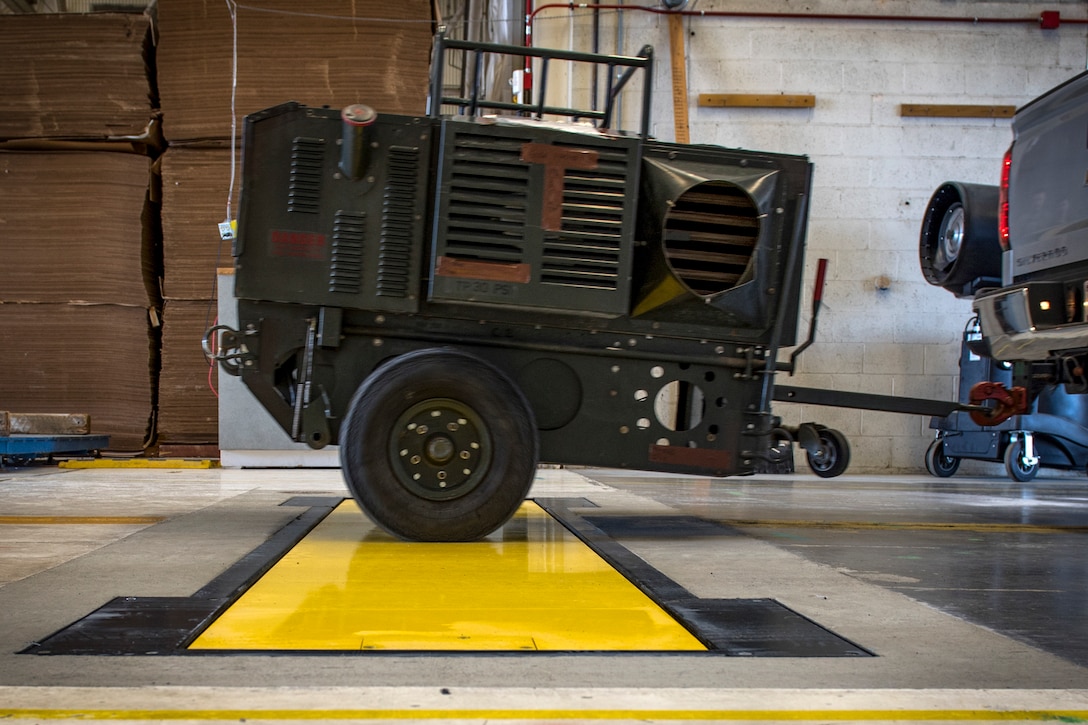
(1003, 207)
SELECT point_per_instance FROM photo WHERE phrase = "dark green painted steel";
(602, 272)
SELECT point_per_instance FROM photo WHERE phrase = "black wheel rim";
(1023, 467)
(440, 449)
(826, 457)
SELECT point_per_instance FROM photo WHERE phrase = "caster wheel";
(832, 454)
(1014, 463)
(937, 463)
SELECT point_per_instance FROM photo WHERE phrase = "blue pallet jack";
(33, 441)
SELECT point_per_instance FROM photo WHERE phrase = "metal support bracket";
(1028, 457)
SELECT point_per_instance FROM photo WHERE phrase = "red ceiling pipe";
(1049, 19)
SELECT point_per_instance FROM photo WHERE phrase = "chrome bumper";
(1016, 326)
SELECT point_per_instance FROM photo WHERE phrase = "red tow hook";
(1010, 402)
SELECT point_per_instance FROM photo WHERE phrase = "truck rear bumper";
(1027, 322)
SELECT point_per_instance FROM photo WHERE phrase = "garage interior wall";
(882, 328)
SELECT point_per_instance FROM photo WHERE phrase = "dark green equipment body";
(453, 299)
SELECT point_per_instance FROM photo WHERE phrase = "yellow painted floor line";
(532, 585)
(138, 463)
(52, 520)
(557, 704)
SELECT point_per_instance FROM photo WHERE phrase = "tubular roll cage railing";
(473, 104)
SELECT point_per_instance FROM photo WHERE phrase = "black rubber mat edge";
(166, 625)
(740, 627)
(735, 627)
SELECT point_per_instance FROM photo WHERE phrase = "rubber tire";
(937, 463)
(833, 457)
(368, 437)
(979, 255)
(1014, 466)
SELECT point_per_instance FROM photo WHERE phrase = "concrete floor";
(972, 593)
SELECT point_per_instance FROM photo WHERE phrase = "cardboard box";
(324, 52)
(195, 186)
(188, 402)
(77, 227)
(75, 75)
(95, 359)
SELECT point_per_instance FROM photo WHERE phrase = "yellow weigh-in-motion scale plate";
(532, 585)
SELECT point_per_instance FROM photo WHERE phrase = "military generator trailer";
(455, 298)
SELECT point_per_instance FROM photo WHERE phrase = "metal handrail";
(473, 103)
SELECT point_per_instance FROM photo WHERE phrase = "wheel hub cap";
(440, 449)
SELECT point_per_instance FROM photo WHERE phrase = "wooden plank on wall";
(956, 110)
(678, 58)
(757, 100)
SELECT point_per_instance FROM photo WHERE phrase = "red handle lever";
(821, 275)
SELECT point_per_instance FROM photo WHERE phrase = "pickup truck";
(1020, 251)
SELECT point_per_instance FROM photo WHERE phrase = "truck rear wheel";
(438, 445)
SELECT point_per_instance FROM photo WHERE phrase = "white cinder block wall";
(874, 170)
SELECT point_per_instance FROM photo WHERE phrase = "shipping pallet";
(26, 437)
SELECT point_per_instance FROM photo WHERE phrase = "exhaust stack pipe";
(354, 146)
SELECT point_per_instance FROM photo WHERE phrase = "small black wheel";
(439, 445)
(1014, 463)
(938, 463)
(831, 456)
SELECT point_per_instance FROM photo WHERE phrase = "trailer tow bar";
(989, 403)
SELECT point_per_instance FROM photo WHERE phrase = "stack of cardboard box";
(78, 297)
(116, 138)
(195, 185)
(75, 76)
(323, 52)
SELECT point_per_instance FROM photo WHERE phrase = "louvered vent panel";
(710, 235)
(586, 253)
(487, 199)
(348, 242)
(304, 187)
(398, 225)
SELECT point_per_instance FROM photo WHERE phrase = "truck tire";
(439, 445)
(958, 248)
